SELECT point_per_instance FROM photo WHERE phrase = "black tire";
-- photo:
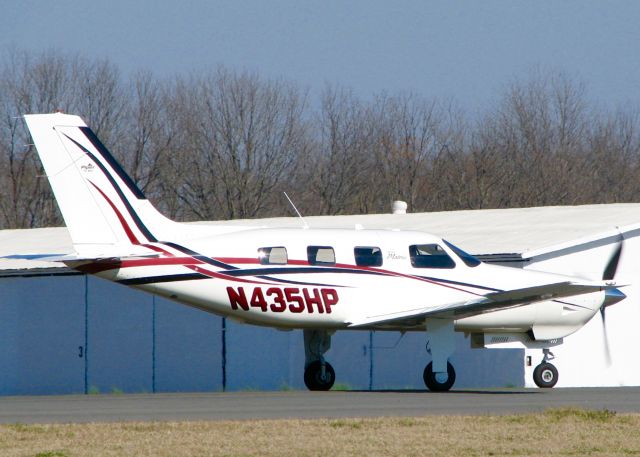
(313, 376)
(433, 384)
(545, 375)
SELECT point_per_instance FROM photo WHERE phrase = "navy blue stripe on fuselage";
(200, 257)
(572, 304)
(143, 229)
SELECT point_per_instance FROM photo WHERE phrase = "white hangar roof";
(518, 231)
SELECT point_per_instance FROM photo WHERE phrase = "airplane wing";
(490, 302)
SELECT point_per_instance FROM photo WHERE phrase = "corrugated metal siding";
(74, 334)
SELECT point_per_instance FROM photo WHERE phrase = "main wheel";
(545, 375)
(315, 380)
(435, 381)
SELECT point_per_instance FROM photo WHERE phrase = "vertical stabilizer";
(102, 207)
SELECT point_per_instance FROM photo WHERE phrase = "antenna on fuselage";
(304, 223)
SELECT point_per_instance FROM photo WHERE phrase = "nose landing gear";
(545, 375)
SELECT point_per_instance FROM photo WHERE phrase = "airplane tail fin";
(102, 207)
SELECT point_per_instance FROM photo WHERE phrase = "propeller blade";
(611, 297)
(605, 337)
(612, 266)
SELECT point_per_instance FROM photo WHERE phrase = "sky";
(466, 50)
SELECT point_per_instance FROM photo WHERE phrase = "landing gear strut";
(439, 374)
(545, 375)
(318, 373)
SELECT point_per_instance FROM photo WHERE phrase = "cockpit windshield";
(467, 258)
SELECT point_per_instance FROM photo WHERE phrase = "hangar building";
(65, 332)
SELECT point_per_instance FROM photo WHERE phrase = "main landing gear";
(439, 382)
(545, 375)
(439, 374)
(318, 373)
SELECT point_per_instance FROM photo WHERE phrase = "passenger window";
(430, 256)
(273, 256)
(368, 256)
(321, 255)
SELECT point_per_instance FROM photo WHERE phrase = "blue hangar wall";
(66, 334)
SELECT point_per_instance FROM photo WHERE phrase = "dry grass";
(566, 432)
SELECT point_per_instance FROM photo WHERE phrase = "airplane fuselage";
(332, 278)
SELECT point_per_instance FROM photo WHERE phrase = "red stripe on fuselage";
(158, 261)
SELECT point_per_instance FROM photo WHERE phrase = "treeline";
(225, 144)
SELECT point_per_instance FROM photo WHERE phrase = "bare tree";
(612, 169)
(245, 139)
(225, 144)
(41, 83)
(339, 173)
(539, 129)
(27, 85)
(147, 139)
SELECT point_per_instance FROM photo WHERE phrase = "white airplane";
(318, 280)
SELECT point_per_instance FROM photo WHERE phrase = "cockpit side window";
(368, 256)
(430, 256)
(273, 256)
(321, 255)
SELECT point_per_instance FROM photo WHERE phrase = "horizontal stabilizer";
(76, 258)
(71, 258)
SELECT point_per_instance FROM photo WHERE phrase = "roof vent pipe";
(399, 207)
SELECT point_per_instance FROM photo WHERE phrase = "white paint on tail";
(103, 208)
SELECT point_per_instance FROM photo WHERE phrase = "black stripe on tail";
(104, 152)
(145, 231)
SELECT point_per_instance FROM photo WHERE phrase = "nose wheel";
(545, 375)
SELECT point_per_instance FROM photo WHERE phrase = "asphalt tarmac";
(302, 404)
